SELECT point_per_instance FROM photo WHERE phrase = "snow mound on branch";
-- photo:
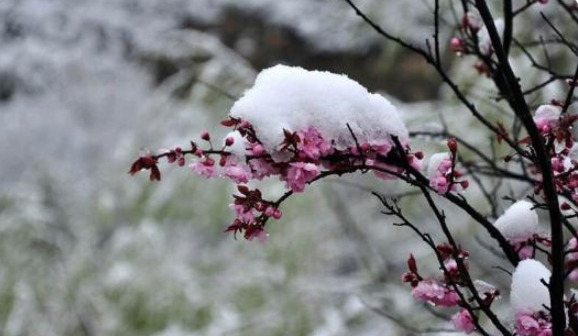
(519, 222)
(548, 112)
(295, 99)
(529, 294)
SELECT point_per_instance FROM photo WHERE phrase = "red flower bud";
(456, 44)
(277, 214)
(556, 102)
(230, 122)
(229, 141)
(453, 145)
(481, 68)
(223, 161)
(411, 264)
(243, 190)
(205, 136)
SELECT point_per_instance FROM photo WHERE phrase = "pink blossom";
(532, 325)
(260, 234)
(273, 212)
(451, 266)
(312, 144)
(299, 173)
(557, 165)
(457, 44)
(204, 168)
(440, 184)
(440, 173)
(524, 251)
(243, 215)
(547, 117)
(261, 168)
(464, 321)
(237, 174)
(432, 291)
(258, 149)
(527, 325)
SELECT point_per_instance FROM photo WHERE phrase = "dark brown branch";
(520, 107)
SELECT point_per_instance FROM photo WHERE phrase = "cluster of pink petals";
(306, 155)
(532, 325)
(312, 145)
(547, 117)
(443, 175)
(435, 293)
(242, 214)
(440, 182)
(524, 250)
(299, 174)
(464, 321)
(204, 168)
(526, 247)
(250, 213)
(301, 158)
(558, 128)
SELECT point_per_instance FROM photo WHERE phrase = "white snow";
(548, 112)
(293, 98)
(519, 221)
(238, 148)
(529, 294)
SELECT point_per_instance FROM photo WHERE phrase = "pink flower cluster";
(303, 156)
(442, 290)
(474, 39)
(442, 173)
(556, 128)
(252, 211)
(436, 293)
(464, 321)
(533, 325)
(526, 248)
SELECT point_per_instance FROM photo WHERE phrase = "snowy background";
(87, 250)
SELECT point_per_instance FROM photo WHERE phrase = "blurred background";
(87, 250)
